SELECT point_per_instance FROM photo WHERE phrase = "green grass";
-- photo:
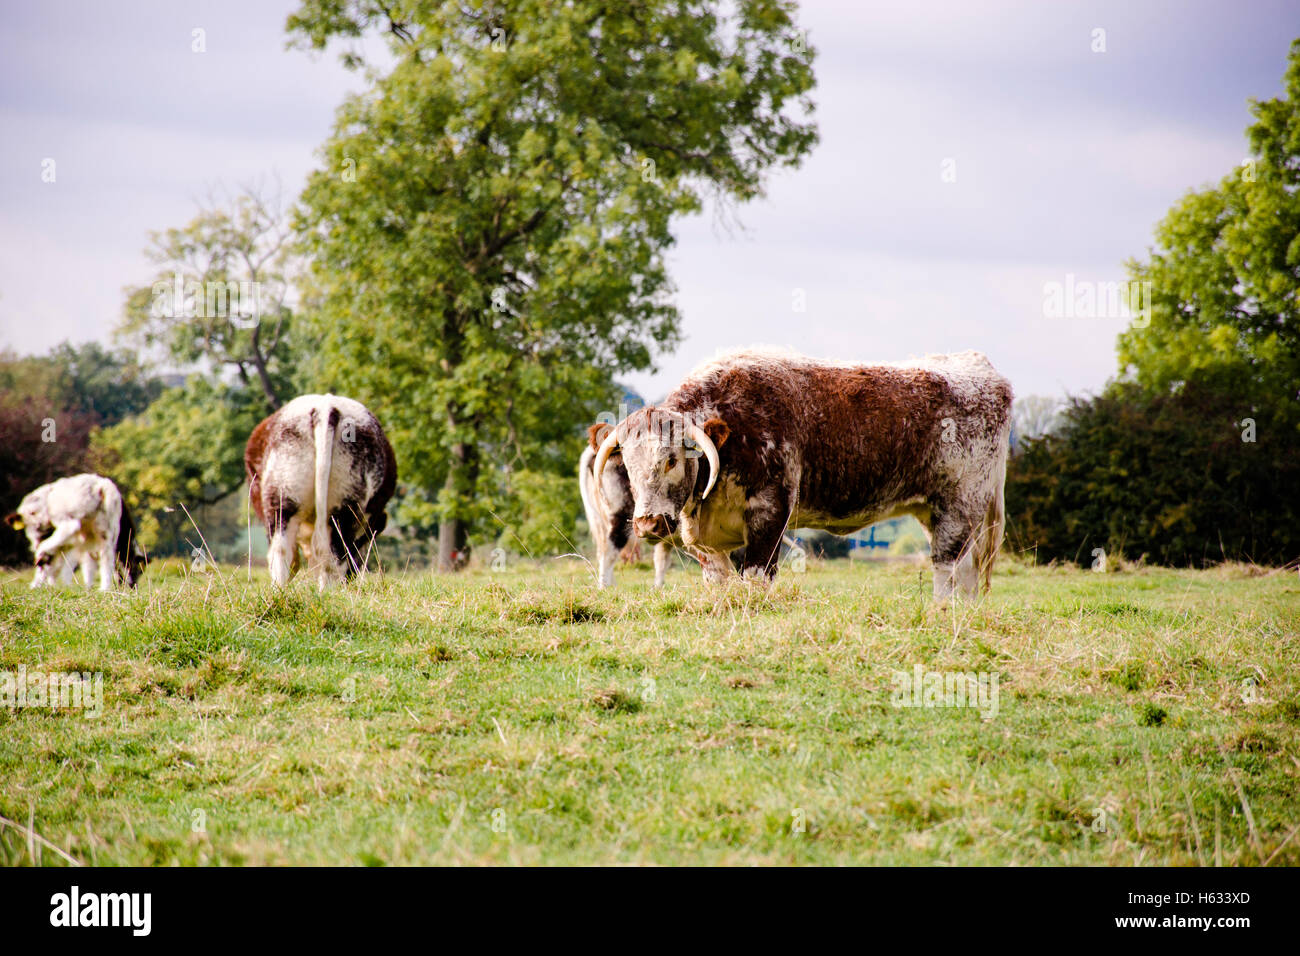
(523, 717)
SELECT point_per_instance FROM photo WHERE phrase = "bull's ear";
(14, 521)
(597, 433)
(717, 430)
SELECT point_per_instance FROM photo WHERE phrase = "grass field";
(1143, 717)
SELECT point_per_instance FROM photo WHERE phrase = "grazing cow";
(609, 513)
(784, 441)
(320, 472)
(80, 520)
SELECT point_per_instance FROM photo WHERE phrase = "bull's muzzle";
(655, 527)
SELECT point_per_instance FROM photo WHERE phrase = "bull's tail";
(324, 428)
(991, 531)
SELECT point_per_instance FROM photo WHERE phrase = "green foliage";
(108, 385)
(1225, 273)
(488, 230)
(541, 515)
(185, 449)
(219, 300)
(1166, 476)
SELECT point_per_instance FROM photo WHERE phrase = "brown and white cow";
(320, 473)
(80, 520)
(609, 512)
(758, 441)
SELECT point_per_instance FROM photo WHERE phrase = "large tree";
(220, 300)
(489, 228)
(1225, 271)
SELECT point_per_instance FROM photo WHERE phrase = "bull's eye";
(670, 464)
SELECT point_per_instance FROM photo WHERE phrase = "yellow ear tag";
(18, 525)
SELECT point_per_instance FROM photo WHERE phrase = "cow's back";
(81, 497)
(860, 436)
(280, 458)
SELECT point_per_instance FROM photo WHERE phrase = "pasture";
(1144, 716)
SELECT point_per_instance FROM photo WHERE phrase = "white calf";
(80, 520)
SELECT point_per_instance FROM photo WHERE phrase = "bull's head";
(662, 452)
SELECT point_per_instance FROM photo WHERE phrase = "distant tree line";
(1191, 477)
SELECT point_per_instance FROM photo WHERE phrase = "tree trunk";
(259, 362)
(453, 536)
(451, 545)
(462, 471)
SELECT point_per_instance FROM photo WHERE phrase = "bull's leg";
(345, 527)
(47, 552)
(765, 525)
(282, 552)
(107, 565)
(88, 568)
(68, 563)
(661, 563)
(606, 558)
(375, 523)
(952, 548)
(326, 566)
(55, 542)
(717, 566)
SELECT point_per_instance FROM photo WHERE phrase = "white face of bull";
(663, 453)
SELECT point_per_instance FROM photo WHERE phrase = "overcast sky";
(1063, 159)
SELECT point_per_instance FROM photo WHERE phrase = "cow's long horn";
(696, 433)
(602, 456)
